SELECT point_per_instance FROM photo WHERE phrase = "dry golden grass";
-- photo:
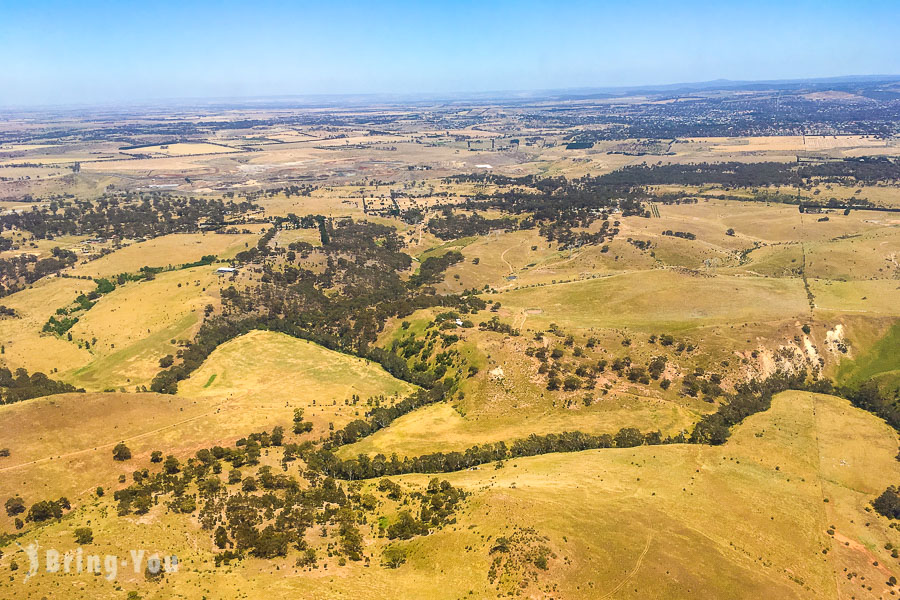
(747, 519)
(182, 149)
(24, 346)
(168, 250)
(275, 373)
(660, 299)
(286, 237)
(62, 445)
(793, 143)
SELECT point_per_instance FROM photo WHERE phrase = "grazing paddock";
(168, 250)
(274, 373)
(746, 518)
(660, 299)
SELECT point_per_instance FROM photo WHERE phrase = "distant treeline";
(556, 205)
(761, 174)
(130, 215)
(450, 226)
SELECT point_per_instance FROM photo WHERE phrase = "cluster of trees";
(698, 382)
(727, 174)
(568, 238)
(496, 325)
(175, 476)
(39, 512)
(19, 386)
(437, 507)
(570, 376)
(640, 244)
(60, 325)
(516, 556)
(870, 397)
(47, 509)
(557, 205)
(287, 190)
(756, 396)
(128, 215)
(416, 356)
(748, 399)
(685, 235)
(432, 268)
(888, 503)
(451, 226)
(255, 511)
(756, 175)
(17, 272)
(343, 308)
(866, 169)
(382, 416)
(261, 249)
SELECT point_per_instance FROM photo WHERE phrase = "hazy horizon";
(105, 53)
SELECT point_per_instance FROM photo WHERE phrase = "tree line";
(19, 386)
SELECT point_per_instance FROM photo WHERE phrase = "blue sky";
(89, 52)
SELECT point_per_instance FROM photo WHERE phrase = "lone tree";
(15, 506)
(393, 557)
(888, 503)
(121, 452)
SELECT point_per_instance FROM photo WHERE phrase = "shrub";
(84, 535)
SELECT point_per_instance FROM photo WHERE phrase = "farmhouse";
(226, 271)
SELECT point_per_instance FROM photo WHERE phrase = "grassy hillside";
(780, 510)
(271, 373)
(24, 345)
(173, 249)
(652, 300)
(135, 324)
(881, 362)
(62, 445)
